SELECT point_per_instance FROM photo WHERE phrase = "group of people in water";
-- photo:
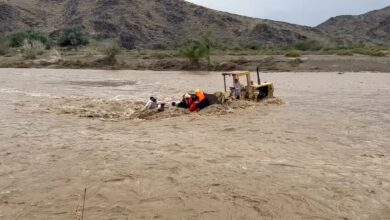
(193, 102)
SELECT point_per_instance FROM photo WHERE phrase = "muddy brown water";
(324, 154)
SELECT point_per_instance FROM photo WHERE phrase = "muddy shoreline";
(267, 63)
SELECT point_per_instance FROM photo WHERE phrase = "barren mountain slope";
(373, 26)
(149, 23)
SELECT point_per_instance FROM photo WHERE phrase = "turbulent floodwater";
(324, 154)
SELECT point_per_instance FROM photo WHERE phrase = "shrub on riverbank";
(194, 50)
(293, 53)
(369, 51)
(310, 45)
(32, 49)
(73, 37)
(4, 48)
(111, 49)
(344, 53)
(18, 39)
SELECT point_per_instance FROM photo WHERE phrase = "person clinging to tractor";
(200, 102)
(236, 89)
(186, 102)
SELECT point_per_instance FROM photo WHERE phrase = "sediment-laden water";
(323, 154)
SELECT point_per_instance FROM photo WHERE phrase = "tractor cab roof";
(237, 73)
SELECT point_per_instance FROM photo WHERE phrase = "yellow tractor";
(251, 91)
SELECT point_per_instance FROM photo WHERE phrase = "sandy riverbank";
(164, 62)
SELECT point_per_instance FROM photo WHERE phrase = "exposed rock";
(144, 24)
(373, 27)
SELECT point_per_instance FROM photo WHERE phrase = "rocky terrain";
(373, 27)
(161, 24)
(150, 24)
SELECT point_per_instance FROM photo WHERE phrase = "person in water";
(161, 107)
(151, 104)
(185, 103)
(200, 102)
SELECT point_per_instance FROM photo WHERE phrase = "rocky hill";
(372, 27)
(150, 23)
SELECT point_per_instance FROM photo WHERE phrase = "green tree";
(310, 45)
(73, 37)
(194, 50)
(17, 39)
(208, 42)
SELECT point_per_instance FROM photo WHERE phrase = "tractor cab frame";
(252, 91)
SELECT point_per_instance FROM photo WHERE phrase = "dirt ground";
(164, 61)
(321, 154)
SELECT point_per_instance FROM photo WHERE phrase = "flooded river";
(323, 154)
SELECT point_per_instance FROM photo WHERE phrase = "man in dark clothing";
(186, 102)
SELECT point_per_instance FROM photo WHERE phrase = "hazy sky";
(306, 12)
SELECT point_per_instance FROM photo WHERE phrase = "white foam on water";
(31, 94)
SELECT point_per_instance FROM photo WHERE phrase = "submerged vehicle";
(251, 91)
